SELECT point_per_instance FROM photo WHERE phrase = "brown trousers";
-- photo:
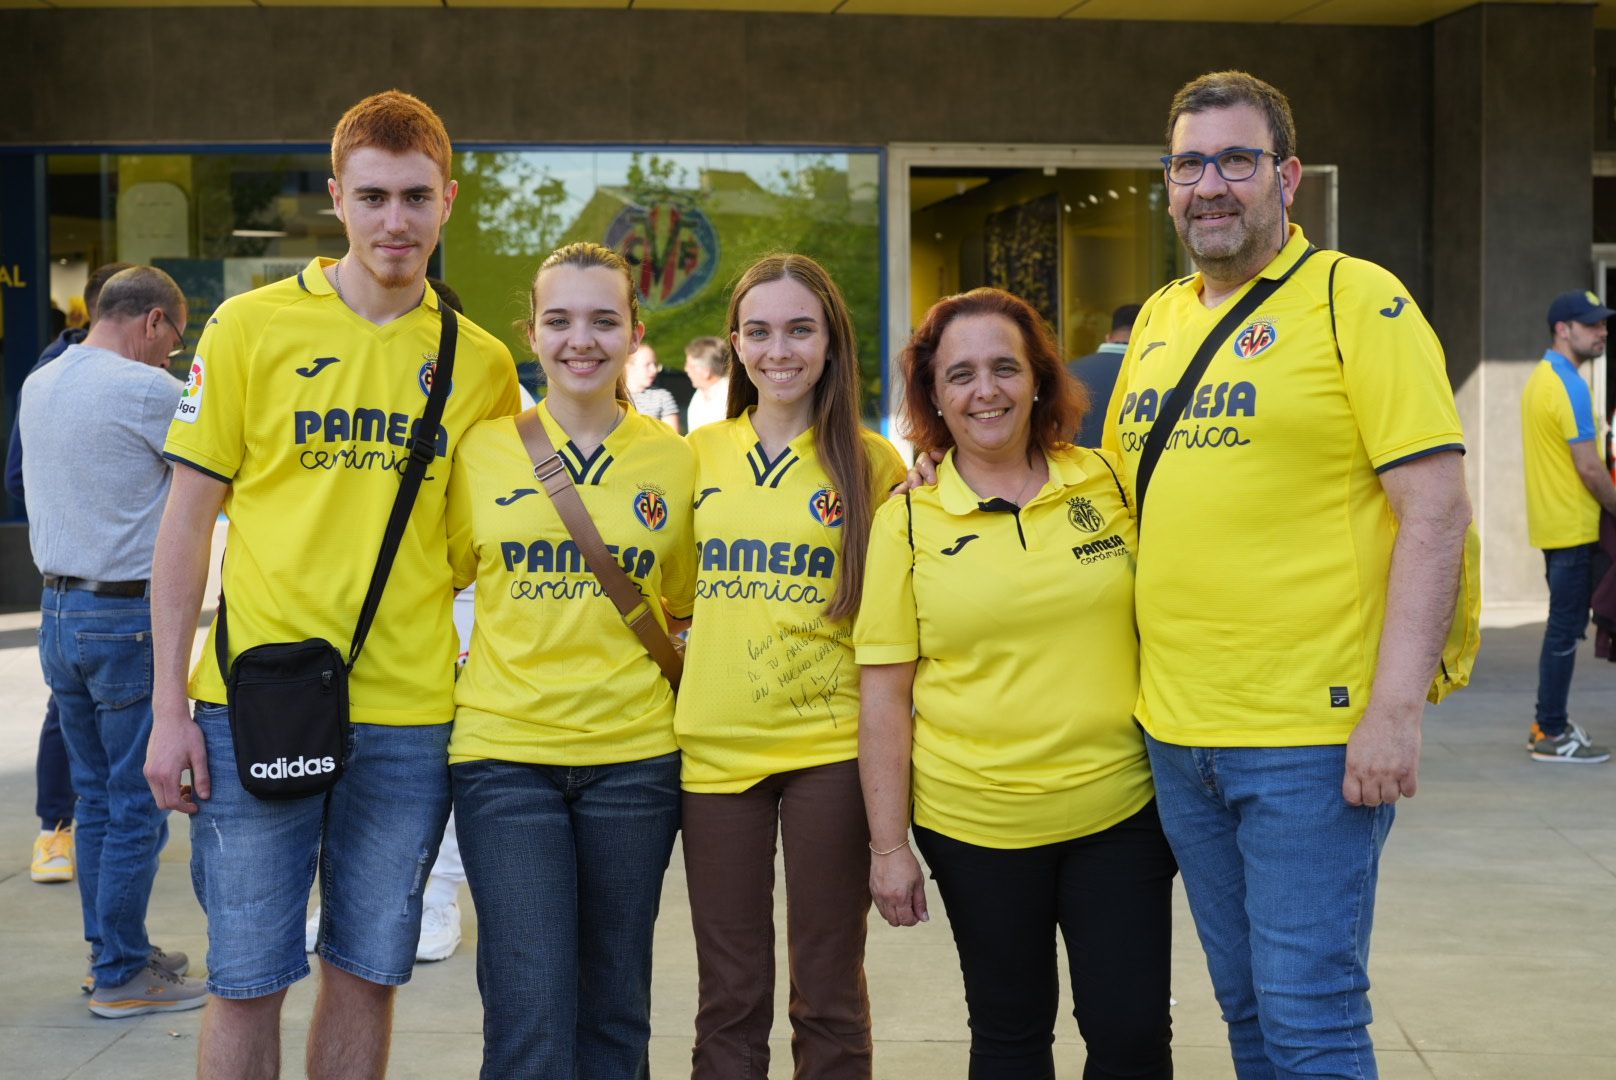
(729, 846)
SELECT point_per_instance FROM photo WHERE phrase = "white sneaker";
(440, 932)
(311, 931)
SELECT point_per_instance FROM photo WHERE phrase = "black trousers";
(1111, 895)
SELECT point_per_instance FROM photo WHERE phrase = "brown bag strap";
(551, 471)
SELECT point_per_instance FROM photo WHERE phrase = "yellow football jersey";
(769, 685)
(305, 409)
(1557, 411)
(554, 675)
(1266, 537)
(1022, 623)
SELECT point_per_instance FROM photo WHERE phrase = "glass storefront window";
(688, 221)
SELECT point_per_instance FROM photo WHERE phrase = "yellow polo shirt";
(305, 409)
(770, 684)
(1266, 538)
(554, 676)
(1022, 624)
(1557, 411)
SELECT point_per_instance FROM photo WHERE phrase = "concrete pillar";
(1512, 224)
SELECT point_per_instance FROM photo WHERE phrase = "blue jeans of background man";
(97, 656)
(53, 774)
(565, 867)
(1280, 873)
(1569, 572)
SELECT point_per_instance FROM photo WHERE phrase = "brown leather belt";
(100, 588)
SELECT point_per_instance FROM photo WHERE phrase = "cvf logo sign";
(672, 248)
(190, 404)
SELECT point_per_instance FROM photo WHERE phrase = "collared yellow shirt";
(1557, 412)
(1266, 537)
(554, 676)
(305, 409)
(1027, 673)
(770, 685)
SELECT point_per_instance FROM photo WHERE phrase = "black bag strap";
(1176, 403)
(423, 448)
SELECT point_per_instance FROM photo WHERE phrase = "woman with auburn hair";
(768, 711)
(1000, 670)
(562, 761)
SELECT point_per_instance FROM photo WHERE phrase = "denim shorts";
(373, 838)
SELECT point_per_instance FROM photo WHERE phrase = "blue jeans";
(373, 836)
(97, 656)
(1280, 873)
(1571, 588)
(565, 866)
(53, 774)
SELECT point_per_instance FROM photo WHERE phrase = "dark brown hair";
(838, 434)
(393, 121)
(1226, 89)
(97, 281)
(1061, 400)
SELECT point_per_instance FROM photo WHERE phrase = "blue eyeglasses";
(1234, 164)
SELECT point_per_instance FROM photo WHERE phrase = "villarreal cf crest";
(1254, 339)
(1082, 514)
(826, 506)
(651, 508)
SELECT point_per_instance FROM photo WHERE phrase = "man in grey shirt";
(93, 427)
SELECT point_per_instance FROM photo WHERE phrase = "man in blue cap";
(1566, 486)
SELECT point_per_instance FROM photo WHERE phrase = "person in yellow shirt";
(301, 409)
(768, 710)
(1566, 485)
(1000, 671)
(563, 761)
(1300, 545)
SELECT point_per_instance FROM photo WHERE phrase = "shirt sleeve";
(207, 431)
(162, 401)
(886, 630)
(462, 534)
(886, 467)
(1575, 416)
(507, 401)
(1392, 364)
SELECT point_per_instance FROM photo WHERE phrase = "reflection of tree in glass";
(518, 202)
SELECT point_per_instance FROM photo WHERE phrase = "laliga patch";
(1255, 339)
(651, 508)
(428, 370)
(826, 507)
(190, 403)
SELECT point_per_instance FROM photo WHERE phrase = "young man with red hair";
(279, 427)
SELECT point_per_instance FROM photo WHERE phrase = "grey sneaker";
(153, 989)
(1571, 747)
(176, 963)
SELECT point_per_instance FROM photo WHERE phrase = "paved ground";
(1494, 958)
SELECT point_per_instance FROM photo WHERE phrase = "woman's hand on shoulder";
(898, 887)
(923, 473)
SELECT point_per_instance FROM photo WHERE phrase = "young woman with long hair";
(768, 711)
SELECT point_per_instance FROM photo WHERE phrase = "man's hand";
(1383, 756)
(899, 887)
(923, 473)
(176, 744)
